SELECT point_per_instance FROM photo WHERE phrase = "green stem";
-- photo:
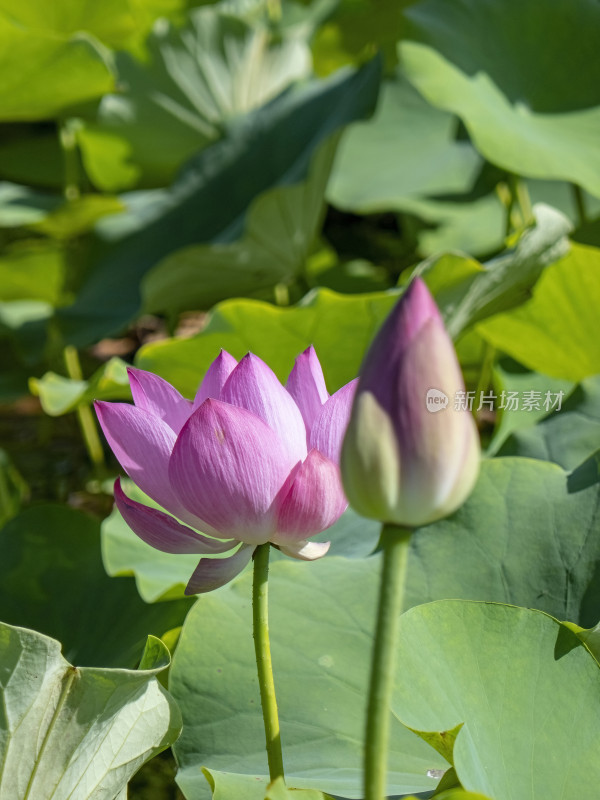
(84, 412)
(68, 143)
(262, 648)
(524, 202)
(274, 10)
(518, 197)
(485, 375)
(395, 543)
(282, 294)
(580, 203)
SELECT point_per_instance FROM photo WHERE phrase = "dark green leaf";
(527, 109)
(52, 580)
(210, 198)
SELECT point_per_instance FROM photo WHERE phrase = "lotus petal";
(227, 468)
(212, 573)
(162, 531)
(254, 386)
(306, 384)
(142, 444)
(215, 378)
(439, 452)
(310, 501)
(305, 551)
(330, 426)
(156, 396)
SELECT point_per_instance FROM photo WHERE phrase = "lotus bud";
(409, 456)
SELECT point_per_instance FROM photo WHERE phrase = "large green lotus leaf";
(526, 110)
(459, 794)
(163, 576)
(210, 198)
(44, 73)
(112, 22)
(196, 79)
(59, 395)
(468, 291)
(14, 374)
(521, 537)
(77, 732)
(408, 150)
(586, 474)
(567, 436)
(567, 433)
(227, 786)
(339, 326)
(280, 228)
(521, 400)
(524, 687)
(158, 576)
(321, 618)
(20, 205)
(117, 23)
(591, 636)
(13, 488)
(477, 226)
(279, 791)
(24, 325)
(31, 154)
(556, 332)
(78, 216)
(476, 223)
(355, 29)
(525, 536)
(562, 196)
(52, 579)
(33, 270)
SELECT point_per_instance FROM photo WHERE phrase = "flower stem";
(262, 648)
(395, 543)
(580, 203)
(518, 204)
(84, 413)
(68, 142)
(274, 10)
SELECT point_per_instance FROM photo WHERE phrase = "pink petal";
(330, 426)
(305, 551)
(142, 444)
(212, 573)
(254, 386)
(161, 531)
(306, 384)
(411, 313)
(439, 452)
(311, 500)
(215, 378)
(156, 396)
(227, 468)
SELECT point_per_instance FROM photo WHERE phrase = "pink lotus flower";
(247, 462)
(409, 457)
